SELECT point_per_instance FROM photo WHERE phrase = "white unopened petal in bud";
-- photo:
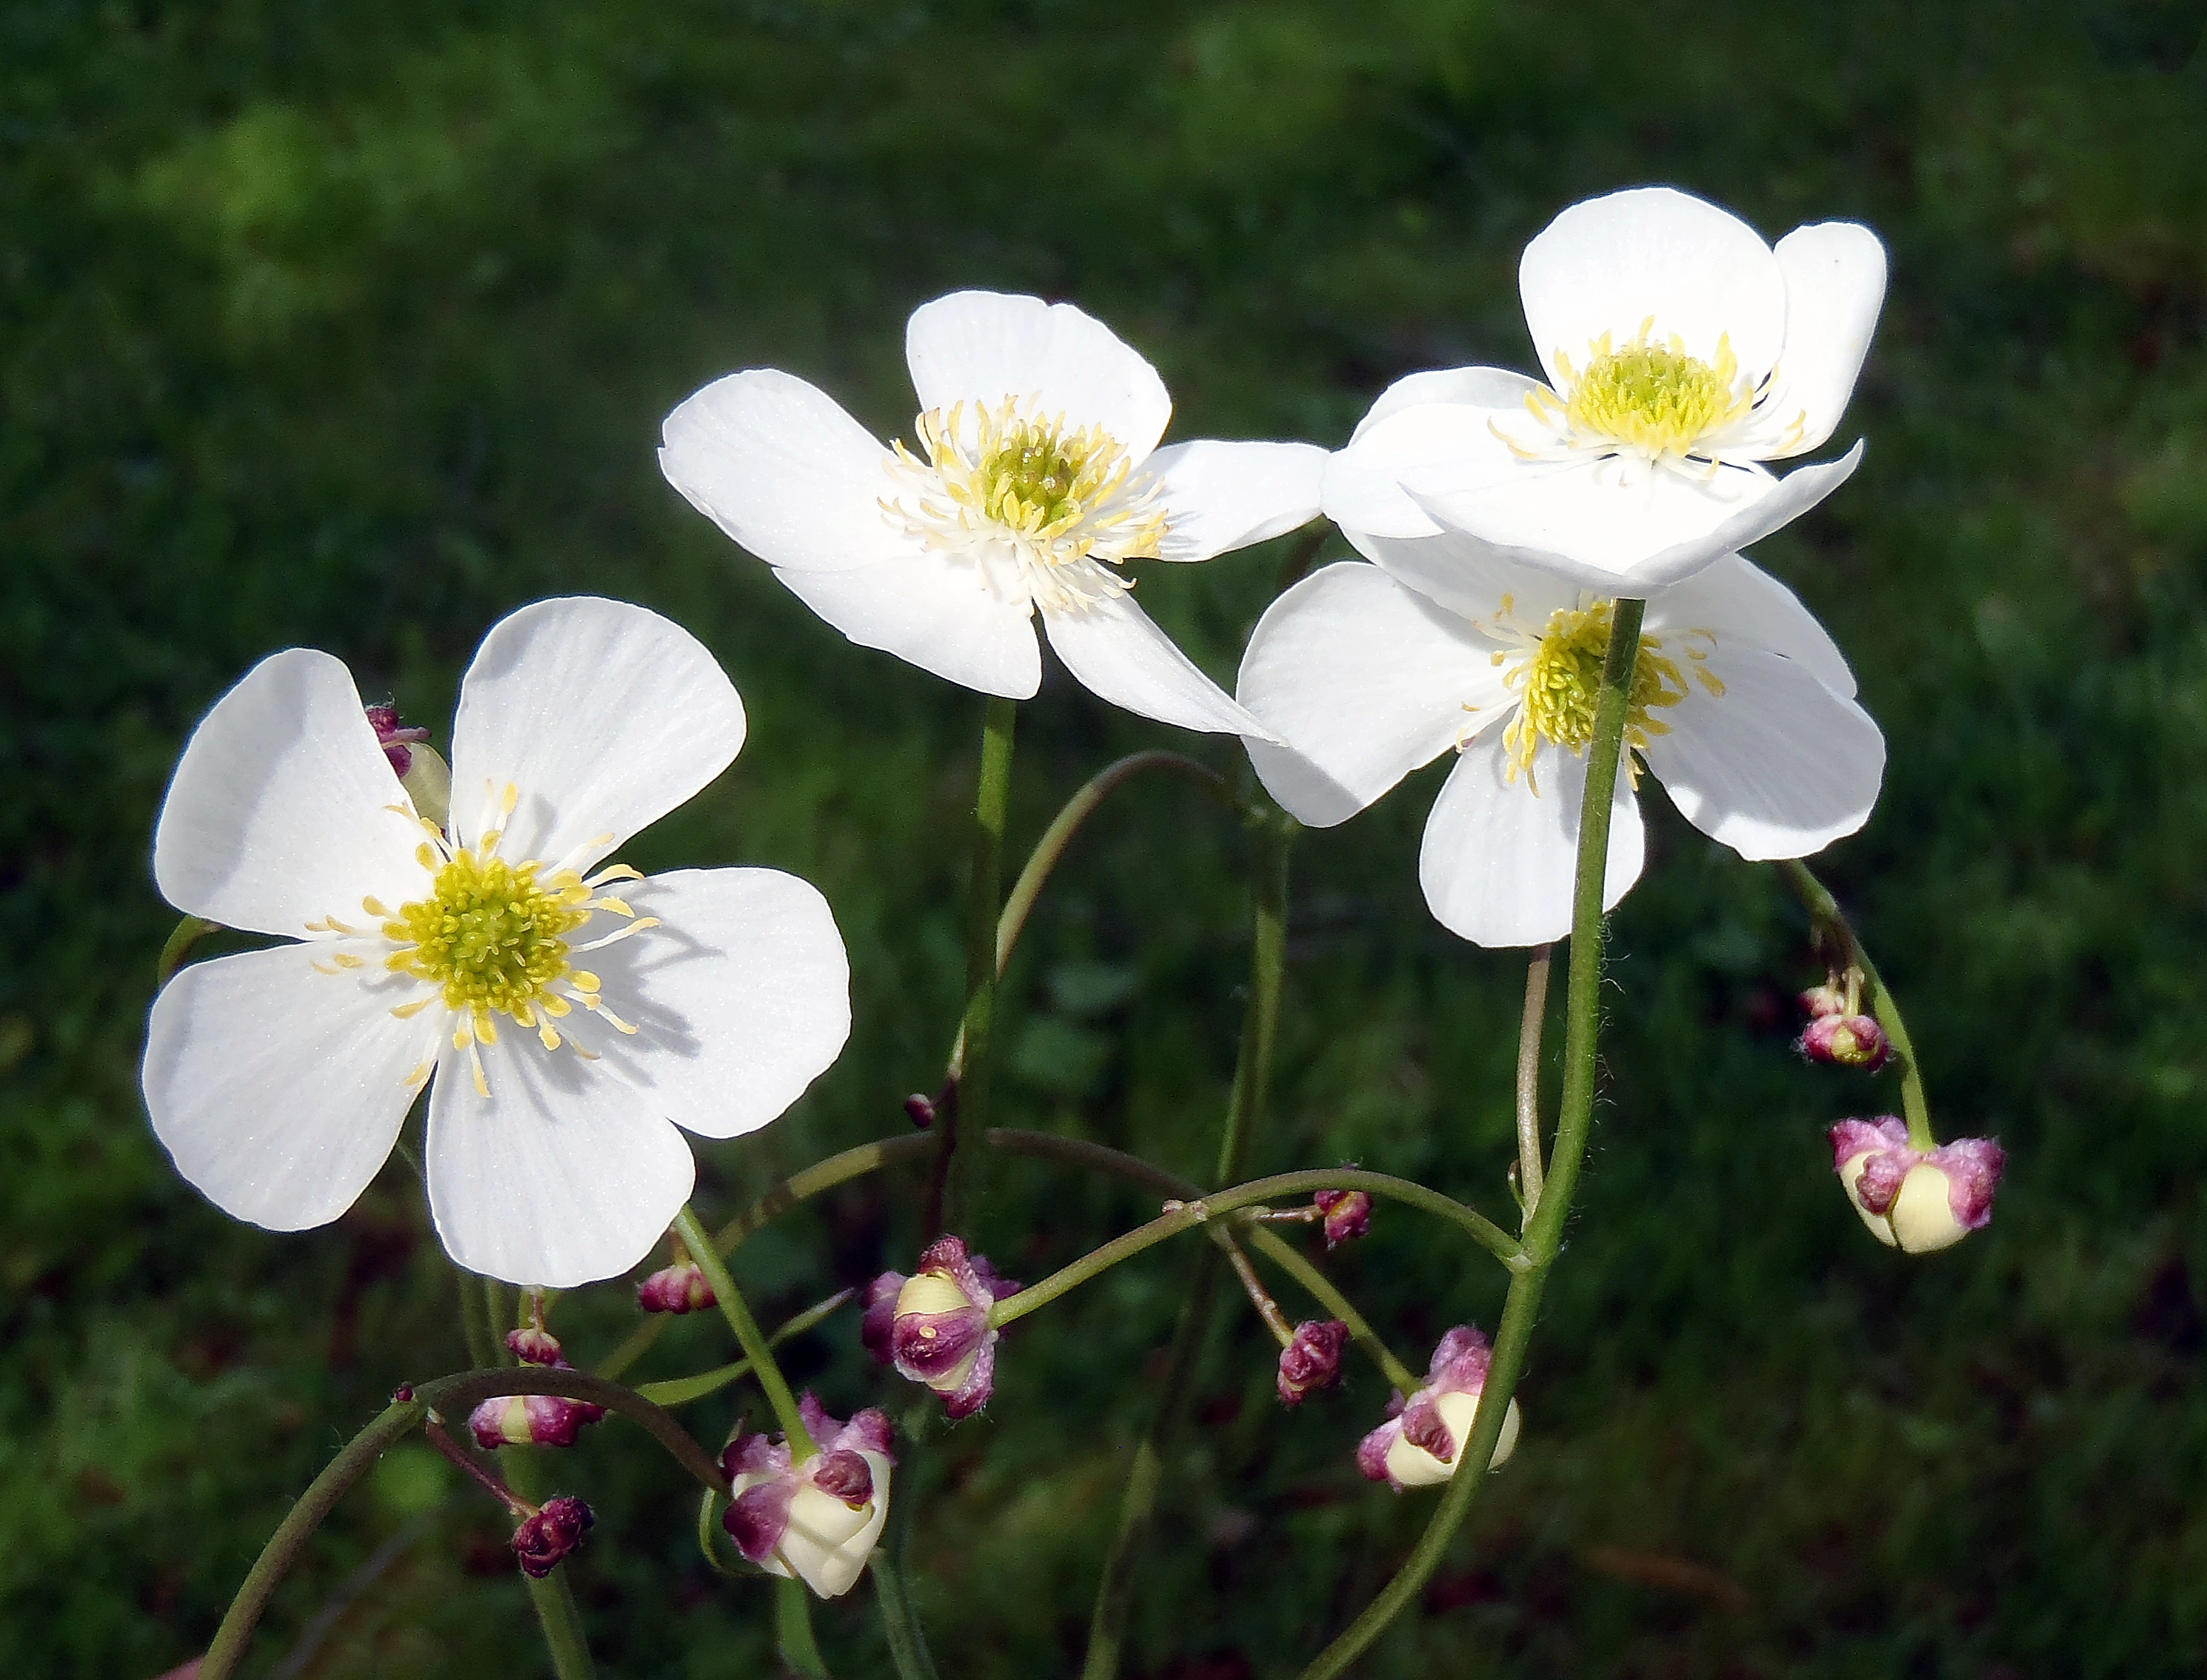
(816, 1522)
(1916, 1200)
(1422, 1441)
(934, 1325)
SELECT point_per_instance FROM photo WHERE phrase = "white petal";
(1469, 577)
(603, 717)
(563, 1175)
(1365, 681)
(1222, 496)
(1118, 654)
(986, 346)
(826, 1543)
(277, 1090)
(281, 812)
(779, 466)
(1610, 263)
(1835, 286)
(1450, 446)
(1498, 859)
(1777, 766)
(740, 998)
(1468, 387)
(1737, 601)
(932, 611)
(1584, 522)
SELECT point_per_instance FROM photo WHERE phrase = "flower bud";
(680, 1288)
(1348, 1214)
(531, 1419)
(543, 1540)
(1312, 1360)
(1423, 1437)
(934, 1325)
(816, 1522)
(1825, 1000)
(396, 741)
(426, 777)
(1916, 1200)
(535, 1346)
(1851, 1041)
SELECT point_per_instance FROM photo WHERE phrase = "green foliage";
(352, 327)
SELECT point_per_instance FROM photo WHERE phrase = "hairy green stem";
(799, 1187)
(951, 1191)
(1833, 928)
(1530, 1172)
(550, 1596)
(681, 1390)
(748, 1336)
(1544, 1233)
(1272, 838)
(1099, 1158)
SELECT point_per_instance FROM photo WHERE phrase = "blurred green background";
(353, 327)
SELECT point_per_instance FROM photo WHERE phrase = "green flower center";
(493, 937)
(1561, 682)
(1654, 398)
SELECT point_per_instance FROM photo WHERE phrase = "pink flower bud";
(531, 1419)
(680, 1288)
(1424, 1435)
(934, 1325)
(1851, 1041)
(543, 1540)
(1348, 1214)
(395, 740)
(1312, 1360)
(919, 1110)
(425, 775)
(816, 1522)
(535, 1347)
(1916, 1200)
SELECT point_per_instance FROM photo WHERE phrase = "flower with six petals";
(1681, 353)
(278, 1079)
(1037, 478)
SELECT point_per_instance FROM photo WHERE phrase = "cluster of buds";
(549, 1534)
(1839, 1032)
(532, 1420)
(680, 1287)
(815, 1522)
(1312, 1360)
(1346, 1214)
(424, 774)
(1916, 1200)
(934, 1327)
(1419, 1444)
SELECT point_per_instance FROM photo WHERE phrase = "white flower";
(1035, 480)
(1681, 353)
(1740, 705)
(278, 1079)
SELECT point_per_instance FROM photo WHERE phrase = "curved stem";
(1271, 1244)
(1832, 925)
(1189, 1215)
(1544, 1233)
(799, 1187)
(748, 1336)
(681, 1390)
(1530, 1172)
(950, 1192)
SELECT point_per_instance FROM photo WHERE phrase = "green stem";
(951, 1192)
(799, 1187)
(681, 1390)
(900, 1622)
(1051, 847)
(792, 1629)
(1189, 1215)
(748, 1335)
(1832, 924)
(1272, 837)
(483, 1346)
(1274, 1247)
(1530, 1174)
(1544, 1233)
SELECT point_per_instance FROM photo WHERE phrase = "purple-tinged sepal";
(1348, 1215)
(675, 1288)
(815, 1522)
(535, 1345)
(1312, 1360)
(1846, 1041)
(1422, 1441)
(550, 1534)
(935, 1326)
(1916, 1200)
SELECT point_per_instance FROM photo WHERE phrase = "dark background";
(353, 325)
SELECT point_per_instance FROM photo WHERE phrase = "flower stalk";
(1544, 1231)
(752, 1340)
(1531, 1174)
